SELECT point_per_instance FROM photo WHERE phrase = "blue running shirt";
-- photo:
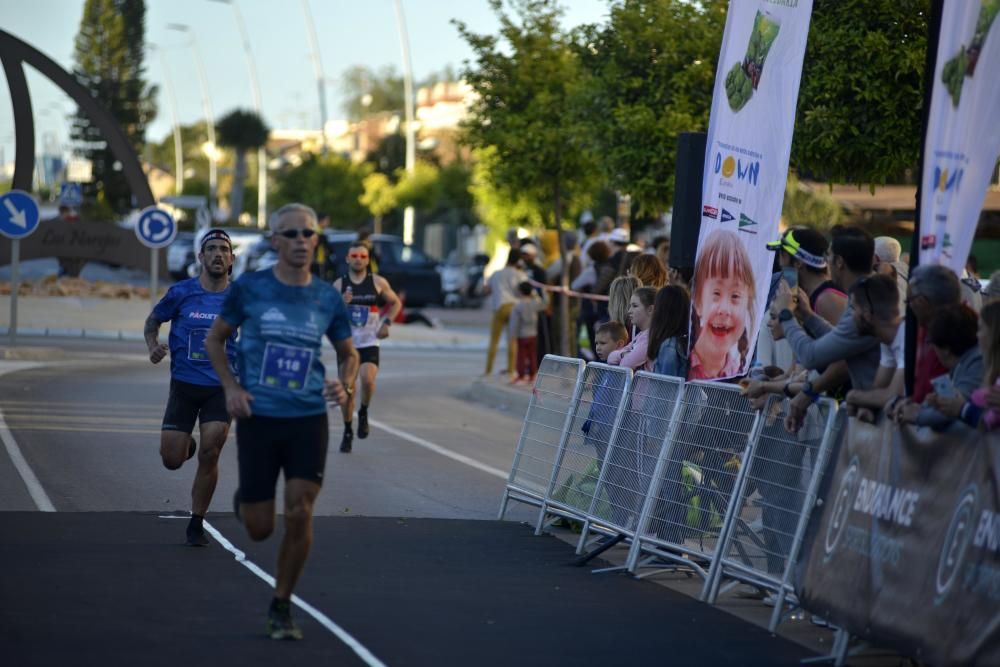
(191, 309)
(281, 331)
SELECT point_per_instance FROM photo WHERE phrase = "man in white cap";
(887, 254)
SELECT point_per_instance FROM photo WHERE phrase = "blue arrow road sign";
(156, 228)
(18, 214)
(70, 194)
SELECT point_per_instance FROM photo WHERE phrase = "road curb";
(508, 399)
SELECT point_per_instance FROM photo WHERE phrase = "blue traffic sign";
(71, 194)
(18, 214)
(156, 228)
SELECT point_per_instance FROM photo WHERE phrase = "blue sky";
(350, 32)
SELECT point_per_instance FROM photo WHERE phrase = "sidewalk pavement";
(123, 319)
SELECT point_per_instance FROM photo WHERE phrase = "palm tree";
(242, 131)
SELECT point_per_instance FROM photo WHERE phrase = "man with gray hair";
(931, 287)
(280, 397)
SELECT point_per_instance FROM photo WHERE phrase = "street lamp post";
(206, 103)
(318, 65)
(411, 149)
(258, 107)
(178, 144)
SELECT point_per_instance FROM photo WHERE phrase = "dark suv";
(406, 268)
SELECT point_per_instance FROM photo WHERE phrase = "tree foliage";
(242, 130)
(110, 53)
(861, 94)
(650, 72)
(810, 206)
(526, 80)
(384, 86)
(329, 184)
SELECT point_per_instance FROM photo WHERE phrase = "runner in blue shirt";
(195, 391)
(281, 396)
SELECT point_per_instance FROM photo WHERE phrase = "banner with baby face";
(963, 135)
(746, 166)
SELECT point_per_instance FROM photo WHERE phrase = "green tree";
(109, 52)
(810, 206)
(384, 87)
(526, 79)
(858, 118)
(193, 138)
(500, 209)
(379, 197)
(330, 184)
(650, 76)
(242, 131)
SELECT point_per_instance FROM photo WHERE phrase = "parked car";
(180, 255)
(406, 268)
(462, 280)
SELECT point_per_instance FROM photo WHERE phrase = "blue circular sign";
(18, 214)
(156, 228)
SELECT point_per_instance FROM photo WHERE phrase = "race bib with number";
(358, 315)
(196, 345)
(285, 367)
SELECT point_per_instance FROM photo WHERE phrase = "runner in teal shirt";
(280, 401)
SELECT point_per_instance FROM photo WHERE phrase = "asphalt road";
(89, 429)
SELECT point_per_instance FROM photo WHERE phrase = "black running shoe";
(192, 449)
(362, 424)
(196, 535)
(279, 621)
(346, 442)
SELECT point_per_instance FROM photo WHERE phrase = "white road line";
(34, 487)
(443, 451)
(359, 649)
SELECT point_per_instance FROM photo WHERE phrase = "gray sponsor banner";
(905, 547)
(97, 241)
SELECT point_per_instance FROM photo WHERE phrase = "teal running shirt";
(281, 331)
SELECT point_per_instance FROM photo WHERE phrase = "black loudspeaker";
(687, 199)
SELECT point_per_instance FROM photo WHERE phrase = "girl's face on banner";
(722, 309)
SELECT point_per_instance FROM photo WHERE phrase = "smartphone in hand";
(791, 276)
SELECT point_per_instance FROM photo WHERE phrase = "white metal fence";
(689, 472)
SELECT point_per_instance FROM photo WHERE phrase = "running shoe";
(362, 424)
(196, 535)
(346, 442)
(279, 621)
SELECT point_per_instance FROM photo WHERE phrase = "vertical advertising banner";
(746, 165)
(963, 135)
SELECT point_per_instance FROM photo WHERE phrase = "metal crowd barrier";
(648, 410)
(689, 471)
(594, 419)
(697, 472)
(557, 386)
(763, 535)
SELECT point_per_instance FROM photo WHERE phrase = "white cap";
(618, 235)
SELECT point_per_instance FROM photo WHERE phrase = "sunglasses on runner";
(295, 233)
(357, 255)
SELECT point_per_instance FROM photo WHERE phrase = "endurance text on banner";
(963, 135)
(746, 166)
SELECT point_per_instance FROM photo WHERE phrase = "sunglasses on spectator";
(357, 255)
(295, 233)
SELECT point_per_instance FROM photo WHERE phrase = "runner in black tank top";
(364, 293)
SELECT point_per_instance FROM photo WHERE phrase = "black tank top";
(363, 293)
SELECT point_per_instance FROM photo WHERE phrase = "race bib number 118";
(286, 367)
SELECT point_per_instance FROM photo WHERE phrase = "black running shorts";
(368, 355)
(189, 402)
(268, 445)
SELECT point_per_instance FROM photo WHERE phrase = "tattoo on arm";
(151, 330)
